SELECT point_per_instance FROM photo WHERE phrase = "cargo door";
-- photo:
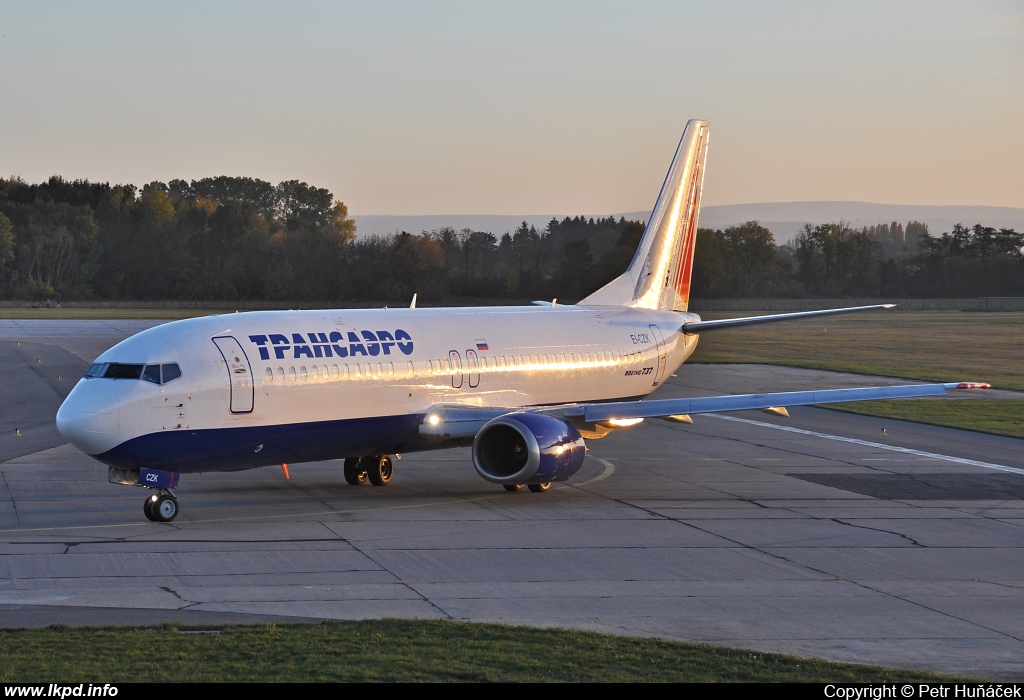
(240, 379)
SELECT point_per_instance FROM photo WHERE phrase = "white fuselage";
(342, 370)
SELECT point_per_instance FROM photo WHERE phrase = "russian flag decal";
(482, 345)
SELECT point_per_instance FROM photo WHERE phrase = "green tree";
(6, 252)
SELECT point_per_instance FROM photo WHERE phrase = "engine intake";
(527, 448)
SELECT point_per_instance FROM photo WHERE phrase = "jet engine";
(527, 448)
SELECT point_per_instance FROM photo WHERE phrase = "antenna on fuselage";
(413, 304)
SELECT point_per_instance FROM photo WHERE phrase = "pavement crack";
(398, 578)
(908, 538)
(177, 595)
(14, 503)
(425, 599)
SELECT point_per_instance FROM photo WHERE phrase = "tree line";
(837, 260)
(237, 238)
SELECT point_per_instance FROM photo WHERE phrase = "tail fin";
(659, 276)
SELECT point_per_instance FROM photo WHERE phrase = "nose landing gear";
(161, 507)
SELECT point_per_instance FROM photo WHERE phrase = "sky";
(527, 107)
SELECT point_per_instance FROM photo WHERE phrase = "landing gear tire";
(162, 508)
(513, 487)
(380, 469)
(355, 472)
(540, 488)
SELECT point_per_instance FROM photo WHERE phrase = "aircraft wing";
(625, 410)
(705, 326)
(459, 421)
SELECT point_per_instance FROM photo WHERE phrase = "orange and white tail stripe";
(660, 273)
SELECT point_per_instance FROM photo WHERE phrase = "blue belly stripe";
(232, 449)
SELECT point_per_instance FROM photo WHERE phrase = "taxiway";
(817, 535)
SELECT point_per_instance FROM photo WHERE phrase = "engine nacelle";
(527, 448)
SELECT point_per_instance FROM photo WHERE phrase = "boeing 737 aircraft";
(524, 385)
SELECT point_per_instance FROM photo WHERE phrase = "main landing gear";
(536, 488)
(161, 507)
(377, 469)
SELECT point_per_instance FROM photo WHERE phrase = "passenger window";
(291, 373)
(280, 374)
(270, 375)
(316, 372)
(391, 369)
(344, 369)
(335, 373)
(323, 373)
(380, 370)
(358, 371)
(302, 372)
(412, 369)
(151, 374)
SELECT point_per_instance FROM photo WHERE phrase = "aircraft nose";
(89, 416)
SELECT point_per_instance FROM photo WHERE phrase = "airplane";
(526, 386)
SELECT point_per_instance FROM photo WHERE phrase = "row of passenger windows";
(431, 367)
(324, 373)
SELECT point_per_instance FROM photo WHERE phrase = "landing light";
(621, 422)
(434, 419)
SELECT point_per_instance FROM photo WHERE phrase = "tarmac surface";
(818, 535)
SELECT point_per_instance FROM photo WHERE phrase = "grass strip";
(394, 650)
(930, 346)
(997, 417)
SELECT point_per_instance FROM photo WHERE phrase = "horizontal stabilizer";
(705, 326)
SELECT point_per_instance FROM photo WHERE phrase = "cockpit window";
(156, 374)
(117, 370)
(96, 370)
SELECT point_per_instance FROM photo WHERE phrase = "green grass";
(394, 650)
(930, 346)
(985, 416)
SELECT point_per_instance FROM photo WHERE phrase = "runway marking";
(865, 443)
(609, 469)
